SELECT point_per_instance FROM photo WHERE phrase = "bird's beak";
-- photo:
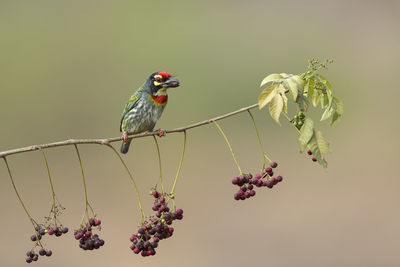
(171, 82)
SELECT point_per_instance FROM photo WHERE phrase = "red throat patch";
(160, 99)
(164, 74)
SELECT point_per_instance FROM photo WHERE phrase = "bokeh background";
(68, 67)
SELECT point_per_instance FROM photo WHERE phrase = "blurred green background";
(68, 67)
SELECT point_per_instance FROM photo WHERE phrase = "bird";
(145, 107)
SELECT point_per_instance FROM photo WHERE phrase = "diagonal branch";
(107, 141)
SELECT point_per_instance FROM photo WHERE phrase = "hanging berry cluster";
(146, 239)
(247, 183)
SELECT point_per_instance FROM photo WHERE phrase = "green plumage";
(141, 113)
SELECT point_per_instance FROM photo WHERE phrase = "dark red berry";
(162, 200)
(49, 253)
(279, 178)
(64, 230)
(274, 164)
(268, 170)
(28, 260)
(156, 194)
(252, 193)
(314, 159)
(97, 222)
(309, 152)
(33, 237)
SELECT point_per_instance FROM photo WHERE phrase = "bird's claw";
(161, 132)
(125, 136)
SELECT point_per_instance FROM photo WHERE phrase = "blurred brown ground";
(68, 67)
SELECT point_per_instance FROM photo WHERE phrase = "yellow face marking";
(157, 80)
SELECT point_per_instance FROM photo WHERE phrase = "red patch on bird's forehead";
(164, 74)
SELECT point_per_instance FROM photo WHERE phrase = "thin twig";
(132, 180)
(107, 141)
(159, 163)
(229, 145)
(180, 163)
(85, 213)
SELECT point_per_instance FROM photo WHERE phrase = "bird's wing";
(130, 105)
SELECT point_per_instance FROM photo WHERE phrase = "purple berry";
(279, 178)
(314, 159)
(252, 193)
(269, 184)
(35, 258)
(274, 164)
(235, 180)
(268, 170)
(309, 152)
(273, 181)
(49, 253)
(162, 200)
(42, 252)
(64, 230)
(92, 222)
(250, 187)
(28, 260)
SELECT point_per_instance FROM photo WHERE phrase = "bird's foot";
(125, 136)
(161, 132)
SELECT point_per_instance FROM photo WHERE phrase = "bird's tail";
(125, 146)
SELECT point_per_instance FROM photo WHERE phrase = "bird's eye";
(157, 79)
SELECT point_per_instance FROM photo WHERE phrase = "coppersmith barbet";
(145, 106)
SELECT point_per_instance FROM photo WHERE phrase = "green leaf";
(294, 84)
(306, 133)
(284, 98)
(335, 117)
(267, 95)
(322, 143)
(339, 105)
(315, 99)
(310, 88)
(313, 146)
(275, 107)
(271, 79)
(338, 110)
(327, 113)
(325, 82)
